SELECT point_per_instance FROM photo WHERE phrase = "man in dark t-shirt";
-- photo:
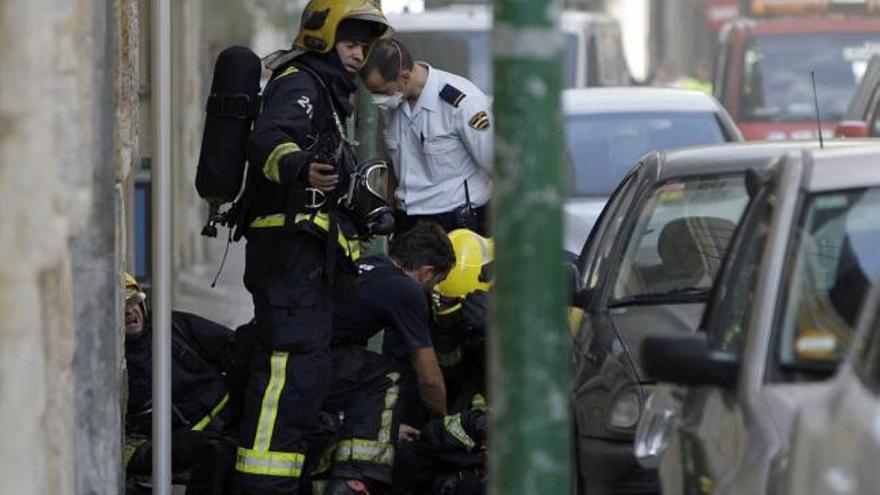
(393, 295)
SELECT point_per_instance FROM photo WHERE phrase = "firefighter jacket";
(201, 353)
(296, 127)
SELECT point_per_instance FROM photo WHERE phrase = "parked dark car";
(648, 268)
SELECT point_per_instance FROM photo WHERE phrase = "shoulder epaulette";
(452, 95)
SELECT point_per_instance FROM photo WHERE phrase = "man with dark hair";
(439, 138)
(393, 295)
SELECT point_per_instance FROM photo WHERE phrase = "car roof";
(635, 99)
(809, 24)
(478, 17)
(846, 168)
(733, 157)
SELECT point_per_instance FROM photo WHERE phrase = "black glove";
(475, 310)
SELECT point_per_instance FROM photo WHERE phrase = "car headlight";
(655, 427)
(625, 410)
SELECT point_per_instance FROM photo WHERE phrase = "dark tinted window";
(833, 257)
(601, 240)
(679, 241)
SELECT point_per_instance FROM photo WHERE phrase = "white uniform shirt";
(438, 143)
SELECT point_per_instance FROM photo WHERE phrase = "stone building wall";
(66, 141)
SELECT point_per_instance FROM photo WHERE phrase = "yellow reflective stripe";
(451, 309)
(452, 424)
(351, 247)
(379, 451)
(478, 403)
(357, 449)
(211, 415)
(276, 220)
(269, 463)
(288, 71)
(271, 169)
(269, 409)
(391, 395)
(131, 446)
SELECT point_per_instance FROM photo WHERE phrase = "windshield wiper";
(677, 295)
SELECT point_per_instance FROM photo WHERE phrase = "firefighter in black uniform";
(462, 311)
(201, 355)
(393, 295)
(300, 245)
(449, 458)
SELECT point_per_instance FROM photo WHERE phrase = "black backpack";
(233, 104)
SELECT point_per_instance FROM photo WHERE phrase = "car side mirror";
(576, 292)
(688, 360)
(852, 129)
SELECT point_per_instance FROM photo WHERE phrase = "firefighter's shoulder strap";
(332, 227)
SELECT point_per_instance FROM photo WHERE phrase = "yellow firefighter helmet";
(474, 256)
(321, 19)
(134, 295)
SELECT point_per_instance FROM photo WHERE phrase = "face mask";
(388, 102)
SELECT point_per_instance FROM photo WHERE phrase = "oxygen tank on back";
(233, 104)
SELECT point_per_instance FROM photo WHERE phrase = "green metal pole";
(367, 126)
(529, 450)
(367, 136)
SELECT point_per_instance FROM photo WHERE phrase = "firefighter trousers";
(364, 393)
(290, 368)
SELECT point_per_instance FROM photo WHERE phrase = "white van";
(457, 39)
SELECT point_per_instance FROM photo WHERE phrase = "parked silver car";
(648, 266)
(836, 441)
(780, 319)
(608, 129)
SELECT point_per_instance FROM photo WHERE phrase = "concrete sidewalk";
(228, 303)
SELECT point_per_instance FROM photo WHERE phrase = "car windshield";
(679, 240)
(605, 146)
(834, 258)
(776, 83)
(467, 53)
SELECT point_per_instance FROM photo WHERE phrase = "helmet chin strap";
(333, 57)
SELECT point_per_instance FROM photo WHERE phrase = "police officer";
(438, 133)
(201, 355)
(300, 244)
(393, 295)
